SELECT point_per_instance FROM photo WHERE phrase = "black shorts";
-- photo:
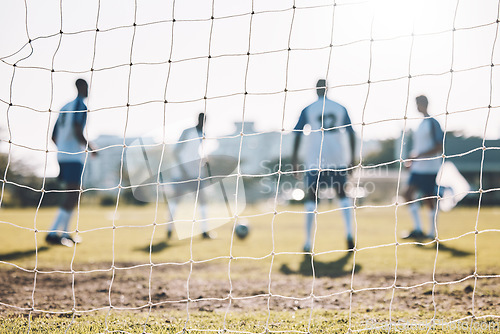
(327, 179)
(71, 172)
(425, 183)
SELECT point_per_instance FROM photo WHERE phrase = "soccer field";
(120, 119)
(117, 277)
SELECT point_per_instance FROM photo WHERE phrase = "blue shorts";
(425, 183)
(327, 179)
(70, 172)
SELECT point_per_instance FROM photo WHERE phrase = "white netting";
(151, 67)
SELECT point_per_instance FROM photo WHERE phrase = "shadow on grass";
(155, 248)
(162, 245)
(337, 268)
(455, 252)
(21, 254)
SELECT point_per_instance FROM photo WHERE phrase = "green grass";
(375, 228)
(281, 234)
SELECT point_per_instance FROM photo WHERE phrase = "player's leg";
(63, 215)
(433, 213)
(179, 190)
(338, 181)
(69, 205)
(70, 173)
(429, 189)
(310, 179)
(414, 208)
(170, 214)
(202, 207)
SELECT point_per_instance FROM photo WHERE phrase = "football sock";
(61, 221)
(414, 211)
(346, 203)
(203, 214)
(67, 218)
(172, 206)
(432, 225)
(309, 207)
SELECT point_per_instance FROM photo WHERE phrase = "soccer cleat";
(306, 249)
(76, 239)
(169, 234)
(415, 234)
(350, 244)
(67, 241)
(53, 239)
(207, 235)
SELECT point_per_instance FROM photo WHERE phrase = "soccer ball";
(241, 230)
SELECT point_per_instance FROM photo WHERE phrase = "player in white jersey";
(71, 143)
(187, 154)
(427, 143)
(330, 151)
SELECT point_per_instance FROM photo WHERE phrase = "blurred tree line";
(20, 187)
(384, 155)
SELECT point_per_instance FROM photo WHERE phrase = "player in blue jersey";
(330, 151)
(427, 143)
(71, 143)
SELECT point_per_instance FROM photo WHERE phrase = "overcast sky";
(308, 31)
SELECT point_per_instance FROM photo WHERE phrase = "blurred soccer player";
(427, 143)
(70, 141)
(187, 154)
(333, 139)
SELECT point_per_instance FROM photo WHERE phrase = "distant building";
(259, 150)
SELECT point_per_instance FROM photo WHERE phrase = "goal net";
(193, 197)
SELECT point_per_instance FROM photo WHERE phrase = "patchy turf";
(133, 269)
(135, 287)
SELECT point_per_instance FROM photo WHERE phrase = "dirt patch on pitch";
(178, 286)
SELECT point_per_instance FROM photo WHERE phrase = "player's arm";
(79, 134)
(78, 127)
(299, 127)
(352, 141)
(435, 151)
(296, 145)
(54, 133)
